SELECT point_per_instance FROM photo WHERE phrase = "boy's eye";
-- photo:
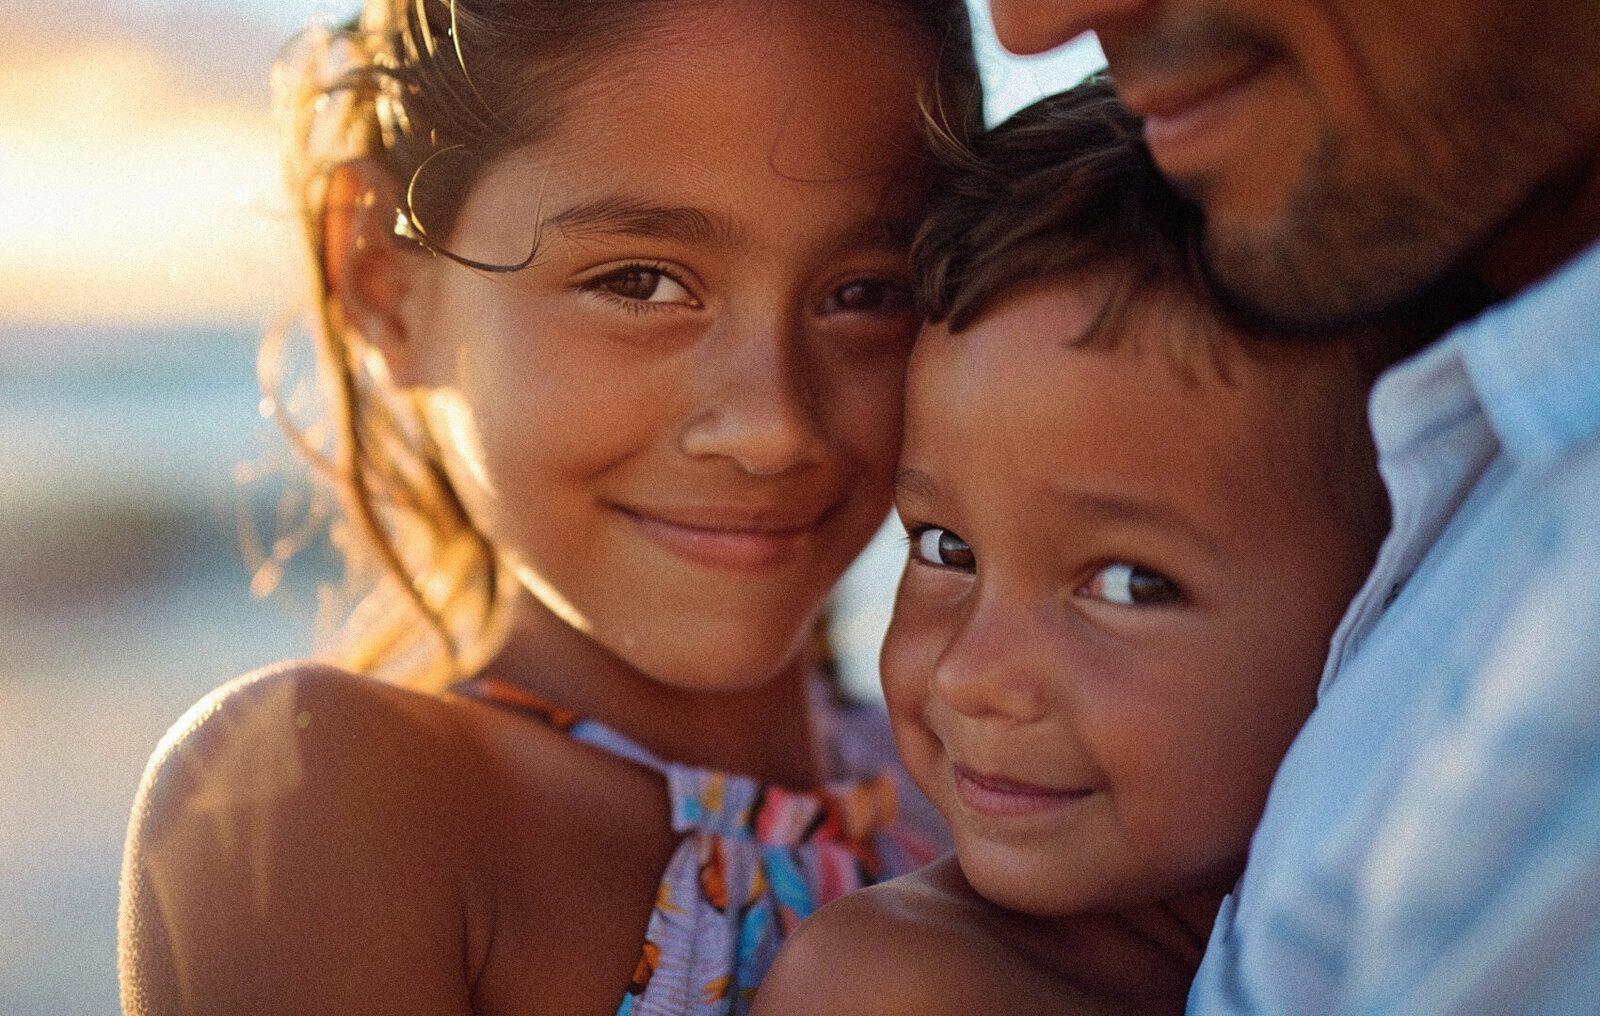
(941, 548)
(644, 284)
(1130, 585)
(869, 296)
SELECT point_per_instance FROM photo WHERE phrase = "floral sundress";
(755, 860)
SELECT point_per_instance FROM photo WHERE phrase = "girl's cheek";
(872, 411)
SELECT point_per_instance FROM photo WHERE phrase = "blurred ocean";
(124, 597)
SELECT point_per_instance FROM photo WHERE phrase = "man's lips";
(727, 537)
(1187, 115)
(1000, 797)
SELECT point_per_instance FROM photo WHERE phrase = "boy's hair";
(432, 91)
(1068, 189)
(1064, 188)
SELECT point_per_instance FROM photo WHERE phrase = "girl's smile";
(733, 538)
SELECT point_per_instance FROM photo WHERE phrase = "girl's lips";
(990, 795)
(720, 540)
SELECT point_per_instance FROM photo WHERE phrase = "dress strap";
(849, 810)
(517, 699)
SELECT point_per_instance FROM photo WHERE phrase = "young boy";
(1133, 528)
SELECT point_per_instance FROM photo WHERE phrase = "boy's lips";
(1000, 797)
(727, 537)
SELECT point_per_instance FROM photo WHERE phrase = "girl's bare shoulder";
(281, 830)
(305, 741)
(301, 744)
(341, 845)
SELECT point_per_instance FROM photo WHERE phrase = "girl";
(614, 317)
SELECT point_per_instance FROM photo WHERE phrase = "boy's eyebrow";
(1102, 507)
(636, 217)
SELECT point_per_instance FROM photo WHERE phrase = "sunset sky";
(139, 180)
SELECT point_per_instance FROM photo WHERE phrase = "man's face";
(1348, 153)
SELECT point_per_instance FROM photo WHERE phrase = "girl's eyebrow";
(910, 482)
(620, 215)
(627, 216)
(879, 231)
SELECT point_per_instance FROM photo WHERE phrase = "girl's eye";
(870, 296)
(642, 284)
(941, 548)
(1131, 586)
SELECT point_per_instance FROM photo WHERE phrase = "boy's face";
(1121, 584)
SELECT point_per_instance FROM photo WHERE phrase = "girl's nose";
(1000, 663)
(755, 403)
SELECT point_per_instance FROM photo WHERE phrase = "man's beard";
(1343, 255)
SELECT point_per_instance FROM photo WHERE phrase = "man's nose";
(1034, 26)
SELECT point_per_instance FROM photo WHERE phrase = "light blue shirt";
(1431, 845)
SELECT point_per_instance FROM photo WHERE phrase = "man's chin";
(1279, 294)
(1275, 295)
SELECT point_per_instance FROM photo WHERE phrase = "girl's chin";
(697, 666)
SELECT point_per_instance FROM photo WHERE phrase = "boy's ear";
(371, 273)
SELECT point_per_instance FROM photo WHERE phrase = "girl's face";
(682, 419)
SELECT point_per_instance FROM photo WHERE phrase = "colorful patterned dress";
(754, 859)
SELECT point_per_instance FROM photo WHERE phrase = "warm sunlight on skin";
(131, 195)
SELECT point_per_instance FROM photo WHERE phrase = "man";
(1432, 842)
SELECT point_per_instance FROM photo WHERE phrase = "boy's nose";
(1033, 26)
(754, 404)
(999, 664)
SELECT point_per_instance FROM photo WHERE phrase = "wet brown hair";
(433, 91)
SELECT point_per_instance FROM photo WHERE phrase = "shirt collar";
(1534, 361)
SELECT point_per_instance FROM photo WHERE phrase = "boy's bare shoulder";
(917, 944)
(925, 944)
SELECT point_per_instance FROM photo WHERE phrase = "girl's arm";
(290, 851)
